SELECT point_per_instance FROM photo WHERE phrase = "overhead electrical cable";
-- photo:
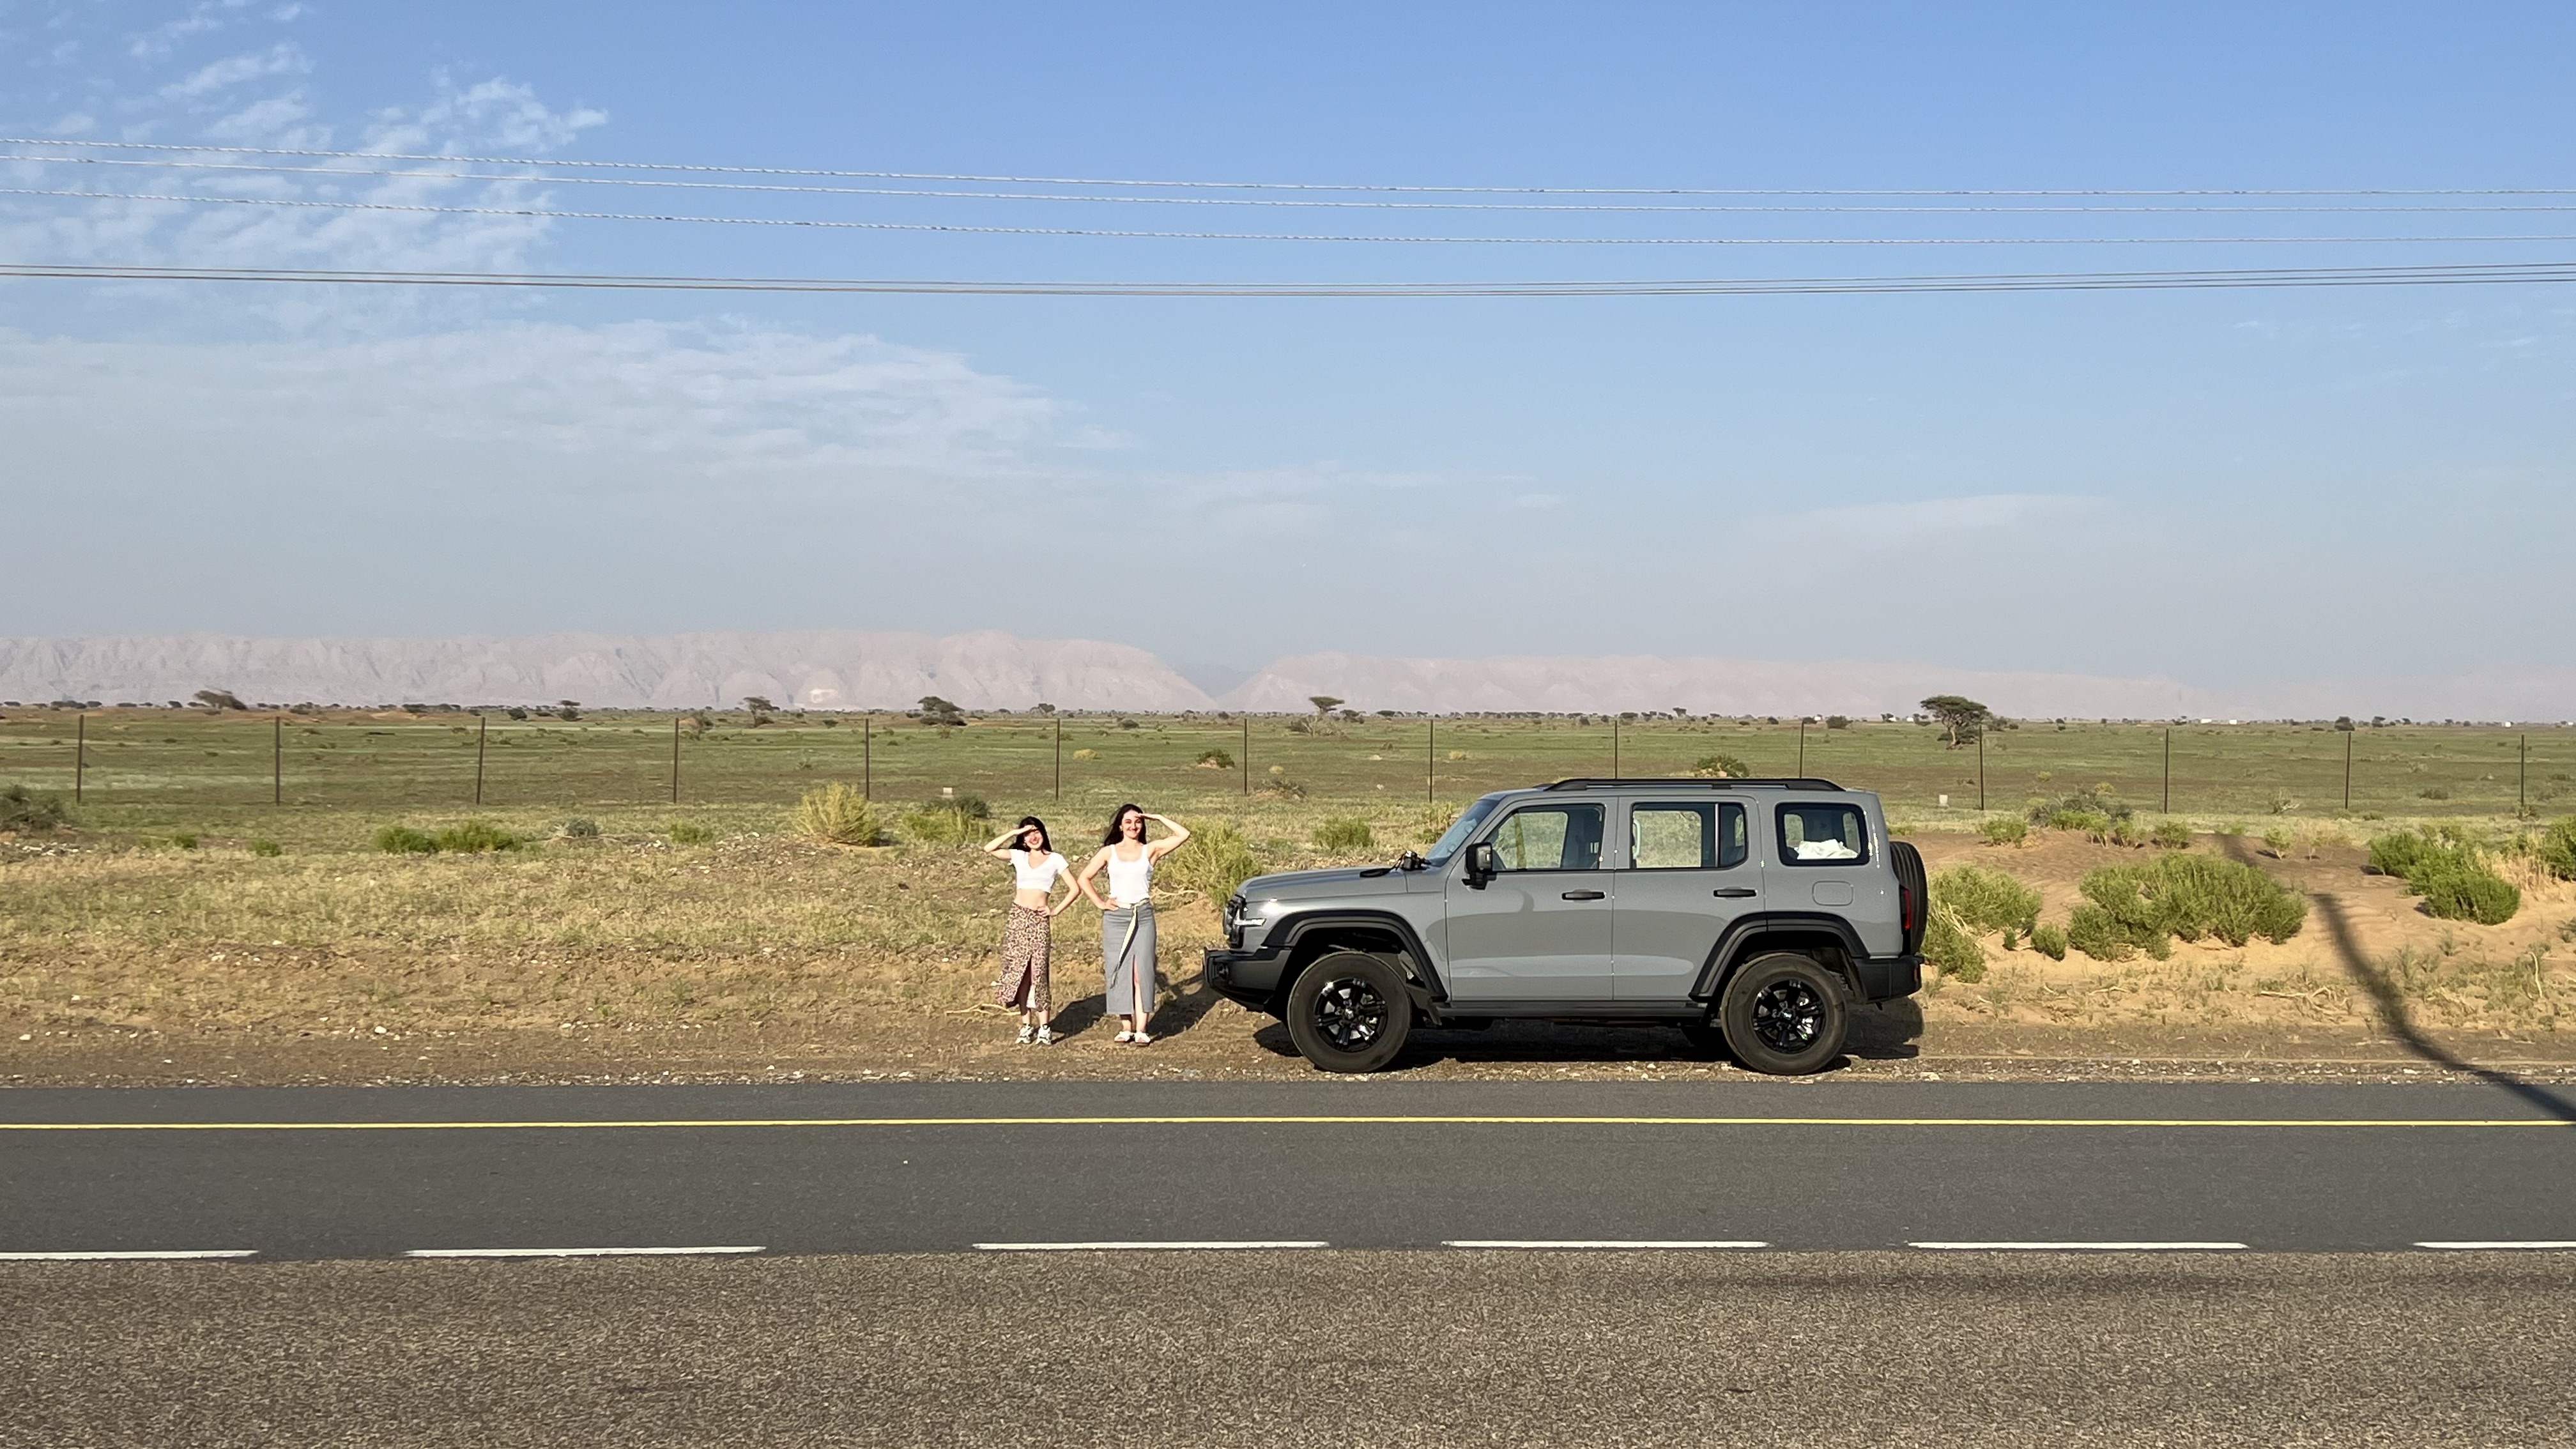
(1726, 208)
(2451, 275)
(836, 224)
(1019, 180)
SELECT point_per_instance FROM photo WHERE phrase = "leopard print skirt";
(1026, 946)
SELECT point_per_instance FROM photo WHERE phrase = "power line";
(1396, 238)
(1728, 208)
(2437, 275)
(164, 146)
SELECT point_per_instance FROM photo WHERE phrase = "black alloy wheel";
(1784, 1014)
(1350, 1012)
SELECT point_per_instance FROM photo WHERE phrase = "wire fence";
(445, 760)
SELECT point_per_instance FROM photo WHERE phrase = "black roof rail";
(1721, 782)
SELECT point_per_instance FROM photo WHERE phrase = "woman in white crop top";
(1127, 917)
(1027, 941)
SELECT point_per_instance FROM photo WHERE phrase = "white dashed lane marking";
(2500, 1244)
(1613, 1244)
(575, 1252)
(1145, 1246)
(2080, 1247)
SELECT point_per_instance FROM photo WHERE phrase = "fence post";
(1981, 765)
(2167, 807)
(675, 759)
(482, 736)
(80, 754)
(277, 764)
(868, 756)
(1614, 747)
(1802, 749)
(2522, 780)
(1059, 757)
(1246, 722)
(1430, 754)
(2347, 766)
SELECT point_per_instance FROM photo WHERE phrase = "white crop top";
(1036, 877)
(1130, 881)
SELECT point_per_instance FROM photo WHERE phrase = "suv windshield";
(1458, 831)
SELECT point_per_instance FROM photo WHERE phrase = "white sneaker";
(1027, 1034)
(1126, 1036)
(1045, 1037)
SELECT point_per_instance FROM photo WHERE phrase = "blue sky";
(2218, 486)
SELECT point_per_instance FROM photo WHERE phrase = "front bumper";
(1249, 977)
(1883, 978)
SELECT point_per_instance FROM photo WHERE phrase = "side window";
(1823, 835)
(1699, 836)
(1550, 837)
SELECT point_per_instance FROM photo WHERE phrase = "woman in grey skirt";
(1127, 917)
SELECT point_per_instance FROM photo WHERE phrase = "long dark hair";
(1116, 817)
(1046, 842)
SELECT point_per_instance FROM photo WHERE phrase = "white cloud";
(234, 70)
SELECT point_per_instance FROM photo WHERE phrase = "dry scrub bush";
(2005, 830)
(835, 814)
(24, 809)
(1969, 901)
(2130, 908)
(1344, 834)
(1214, 862)
(2449, 872)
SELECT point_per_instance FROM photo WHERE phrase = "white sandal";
(1126, 1036)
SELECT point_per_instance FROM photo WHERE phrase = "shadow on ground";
(1889, 1031)
(2396, 1017)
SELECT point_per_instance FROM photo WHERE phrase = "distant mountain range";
(841, 669)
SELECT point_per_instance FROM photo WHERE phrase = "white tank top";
(1037, 877)
(1130, 881)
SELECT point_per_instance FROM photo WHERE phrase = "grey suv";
(1748, 913)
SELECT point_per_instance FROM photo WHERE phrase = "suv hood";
(1294, 885)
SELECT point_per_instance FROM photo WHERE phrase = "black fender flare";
(1740, 933)
(1291, 931)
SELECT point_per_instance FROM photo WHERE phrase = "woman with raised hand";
(1127, 917)
(1027, 936)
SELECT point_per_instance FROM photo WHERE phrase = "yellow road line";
(1248, 1120)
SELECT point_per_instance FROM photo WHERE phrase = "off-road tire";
(1784, 1014)
(1350, 1012)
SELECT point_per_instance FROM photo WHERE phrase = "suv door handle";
(1581, 896)
(1733, 893)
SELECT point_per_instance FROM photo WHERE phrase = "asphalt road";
(932, 1168)
(1285, 1350)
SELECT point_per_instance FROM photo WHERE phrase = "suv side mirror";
(1410, 860)
(1480, 864)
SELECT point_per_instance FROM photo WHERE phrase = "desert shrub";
(1215, 760)
(2403, 852)
(948, 820)
(835, 814)
(689, 832)
(2089, 802)
(2080, 822)
(2127, 833)
(266, 848)
(1215, 862)
(1432, 823)
(2437, 792)
(1722, 767)
(2139, 907)
(580, 827)
(24, 809)
(2049, 941)
(1343, 834)
(1948, 945)
(2276, 842)
(2005, 830)
(1985, 900)
(184, 839)
(2171, 834)
(2461, 888)
(1086, 754)
(476, 836)
(2557, 849)
(403, 840)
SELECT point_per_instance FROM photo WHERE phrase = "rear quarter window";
(1823, 835)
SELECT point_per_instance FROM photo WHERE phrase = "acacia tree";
(1962, 718)
(220, 699)
(1324, 704)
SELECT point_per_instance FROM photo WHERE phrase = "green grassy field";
(163, 763)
